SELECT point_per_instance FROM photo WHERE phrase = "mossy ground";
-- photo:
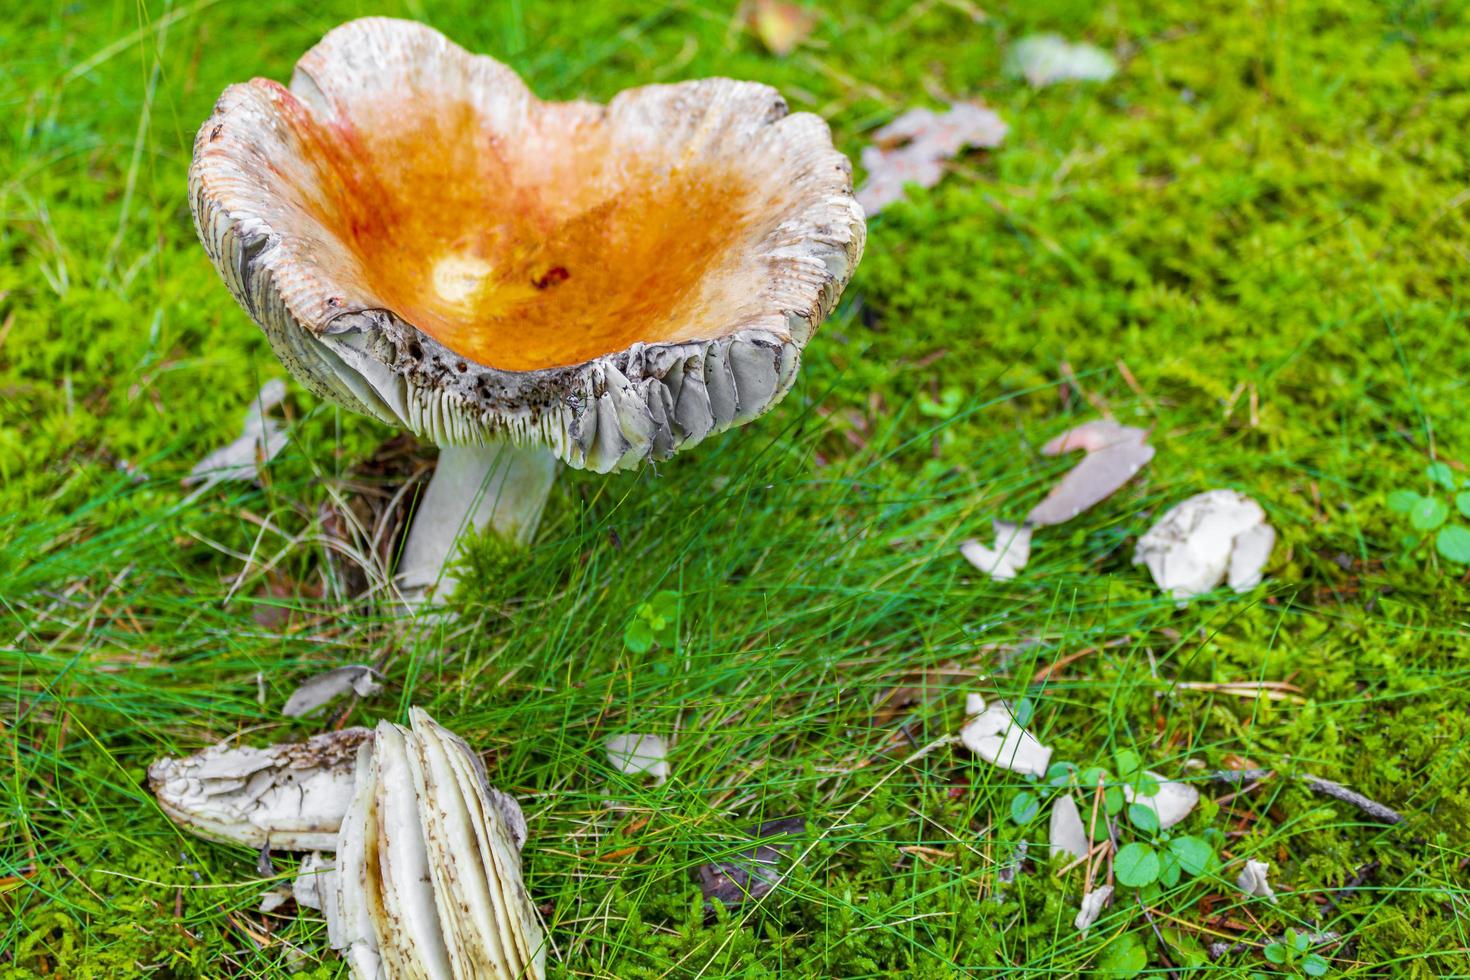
(1254, 240)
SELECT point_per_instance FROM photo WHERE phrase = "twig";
(1092, 831)
(1220, 950)
(1325, 787)
(1086, 857)
(1143, 906)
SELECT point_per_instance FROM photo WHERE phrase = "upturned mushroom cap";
(426, 242)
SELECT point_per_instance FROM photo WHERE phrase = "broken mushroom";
(995, 736)
(1252, 880)
(425, 242)
(1092, 906)
(1011, 552)
(1045, 59)
(1213, 537)
(290, 797)
(1066, 833)
(913, 148)
(638, 755)
(429, 868)
(1171, 802)
(322, 689)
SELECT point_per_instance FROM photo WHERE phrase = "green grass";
(1254, 240)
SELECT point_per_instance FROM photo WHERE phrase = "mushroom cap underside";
(425, 241)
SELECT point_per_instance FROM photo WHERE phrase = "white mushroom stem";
(499, 486)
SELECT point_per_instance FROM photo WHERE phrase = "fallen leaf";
(1092, 906)
(781, 26)
(1066, 832)
(1114, 454)
(1252, 880)
(912, 149)
(1045, 59)
(752, 873)
(995, 736)
(323, 688)
(1212, 537)
(1011, 552)
(1172, 803)
(261, 438)
(637, 755)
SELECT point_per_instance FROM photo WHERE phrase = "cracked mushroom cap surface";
(425, 241)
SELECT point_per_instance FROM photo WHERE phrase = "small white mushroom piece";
(316, 881)
(995, 736)
(429, 882)
(321, 689)
(1045, 59)
(290, 797)
(1011, 552)
(523, 283)
(1213, 537)
(1092, 906)
(1066, 832)
(1172, 803)
(1252, 880)
(634, 755)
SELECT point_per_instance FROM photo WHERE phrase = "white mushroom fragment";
(1252, 880)
(995, 736)
(1045, 59)
(429, 882)
(261, 438)
(1092, 906)
(321, 689)
(1114, 454)
(290, 797)
(1011, 552)
(636, 755)
(1066, 833)
(424, 241)
(1171, 803)
(1213, 537)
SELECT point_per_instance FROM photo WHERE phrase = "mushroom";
(1171, 801)
(1252, 880)
(1066, 833)
(521, 282)
(290, 796)
(995, 736)
(637, 755)
(1092, 907)
(1213, 537)
(428, 880)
